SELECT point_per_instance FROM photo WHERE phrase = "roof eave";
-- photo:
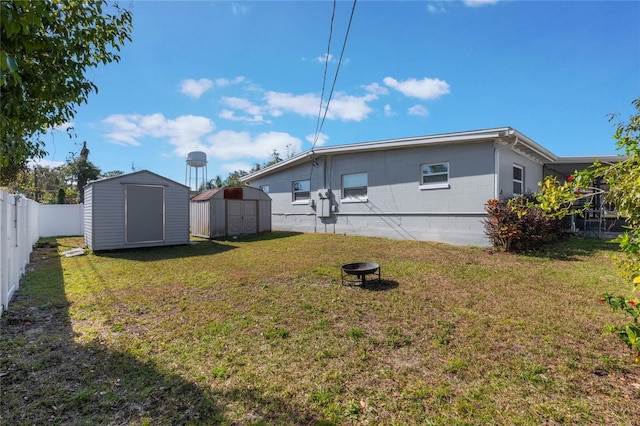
(444, 138)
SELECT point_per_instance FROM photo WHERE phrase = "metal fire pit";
(361, 270)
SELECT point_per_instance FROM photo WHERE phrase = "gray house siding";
(533, 173)
(425, 188)
(396, 206)
(106, 224)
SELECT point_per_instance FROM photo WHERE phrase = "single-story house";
(431, 188)
(140, 209)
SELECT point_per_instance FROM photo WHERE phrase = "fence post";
(4, 261)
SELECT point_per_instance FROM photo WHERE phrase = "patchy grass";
(261, 331)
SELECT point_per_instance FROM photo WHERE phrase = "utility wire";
(335, 78)
(324, 77)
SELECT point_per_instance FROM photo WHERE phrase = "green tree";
(40, 183)
(234, 179)
(112, 173)
(46, 48)
(81, 171)
(61, 196)
(623, 182)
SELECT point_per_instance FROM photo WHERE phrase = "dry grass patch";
(261, 331)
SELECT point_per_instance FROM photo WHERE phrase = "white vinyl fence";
(57, 220)
(22, 222)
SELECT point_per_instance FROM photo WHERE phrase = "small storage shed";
(221, 212)
(140, 209)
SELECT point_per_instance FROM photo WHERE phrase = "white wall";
(18, 234)
(56, 220)
(22, 222)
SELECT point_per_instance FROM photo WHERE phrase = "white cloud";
(350, 108)
(435, 8)
(418, 110)
(185, 132)
(235, 166)
(342, 107)
(327, 57)
(427, 88)
(239, 8)
(477, 3)
(231, 116)
(227, 145)
(376, 89)
(50, 164)
(223, 82)
(304, 105)
(388, 111)
(124, 129)
(64, 127)
(196, 133)
(321, 141)
(253, 113)
(195, 88)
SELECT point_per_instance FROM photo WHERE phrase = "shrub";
(518, 225)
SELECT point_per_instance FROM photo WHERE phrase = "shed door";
(144, 213)
(249, 220)
(241, 217)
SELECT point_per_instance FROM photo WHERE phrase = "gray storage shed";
(222, 212)
(140, 209)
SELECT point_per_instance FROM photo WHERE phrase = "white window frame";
(359, 198)
(434, 185)
(294, 197)
(520, 181)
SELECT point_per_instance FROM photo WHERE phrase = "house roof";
(505, 136)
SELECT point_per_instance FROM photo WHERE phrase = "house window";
(435, 176)
(301, 191)
(354, 187)
(518, 180)
(265, 188)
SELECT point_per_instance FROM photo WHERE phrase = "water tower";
(196, 160)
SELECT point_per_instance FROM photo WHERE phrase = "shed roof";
(131, 178)
(234, 193)
(207, 194)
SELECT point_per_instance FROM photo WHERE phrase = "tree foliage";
(622, 180)
(46, 48)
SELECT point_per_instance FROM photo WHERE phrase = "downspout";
(496, 177)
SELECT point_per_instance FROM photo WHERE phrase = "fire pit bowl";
(361, 270)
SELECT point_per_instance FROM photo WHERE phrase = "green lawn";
(261, 331)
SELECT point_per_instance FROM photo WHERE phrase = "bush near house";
(518, 225)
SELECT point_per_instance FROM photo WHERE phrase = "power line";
(324, 76)
(335, 77)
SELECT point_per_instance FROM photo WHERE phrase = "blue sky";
(240, 79)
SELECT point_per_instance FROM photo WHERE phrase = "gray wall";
(533, 173)
(105, 212)
(396, 206)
